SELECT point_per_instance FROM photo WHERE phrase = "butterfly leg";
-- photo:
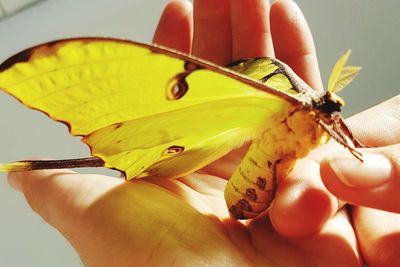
(348, 132)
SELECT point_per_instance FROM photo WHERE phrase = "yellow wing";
(144, 110)
(341, 74)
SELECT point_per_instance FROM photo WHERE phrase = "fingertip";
(289, 28)
(175, 28)
(22, 181)
(251, 34)
(372, 183)
(372, 171)
(39, 184)
(212, 37)
(293, 41)
(301, 210)
(302, 205)
(15, 181)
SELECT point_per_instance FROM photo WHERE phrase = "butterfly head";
(331, 103)
(333, 123)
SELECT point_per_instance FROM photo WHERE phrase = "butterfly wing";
(201, 133)
(116, 95)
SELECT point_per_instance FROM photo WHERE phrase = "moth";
(147, 110)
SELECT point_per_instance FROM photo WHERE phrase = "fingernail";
(373, 171)
(15, 180)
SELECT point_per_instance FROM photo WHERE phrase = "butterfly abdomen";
(271, 157)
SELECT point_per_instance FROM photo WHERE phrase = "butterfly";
(147, 110)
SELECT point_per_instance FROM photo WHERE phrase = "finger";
(337, 235)
(378, 233)
(175, 27)
(383, 127)
(212, 38)
(251, 35)
(374, 183)
(293, 42)
(302, 205)
(59, 196)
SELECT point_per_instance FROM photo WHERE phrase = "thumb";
(374, 183)
(60, 196)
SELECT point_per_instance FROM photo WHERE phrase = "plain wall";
(368, 27)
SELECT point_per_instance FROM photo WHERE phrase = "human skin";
(184, 222)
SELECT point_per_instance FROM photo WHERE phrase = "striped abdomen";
(271, 157)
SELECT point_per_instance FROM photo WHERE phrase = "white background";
(369, 27)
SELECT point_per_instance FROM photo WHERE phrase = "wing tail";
(29, 165)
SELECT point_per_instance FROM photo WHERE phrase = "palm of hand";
(184, 222)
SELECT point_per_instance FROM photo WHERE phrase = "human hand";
(184, 221)
(374, 183)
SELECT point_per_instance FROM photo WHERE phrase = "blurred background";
(368, 27)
